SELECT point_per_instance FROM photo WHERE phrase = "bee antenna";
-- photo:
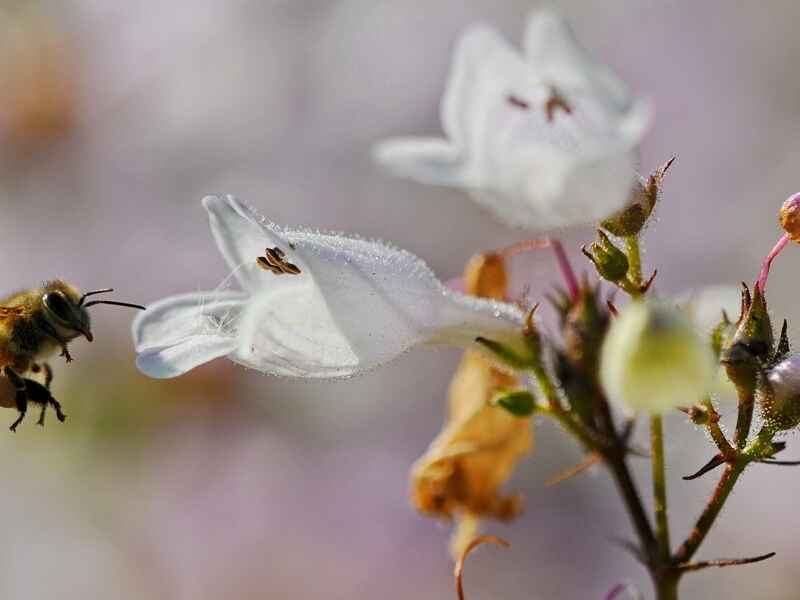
(128, 304)
(92, 293)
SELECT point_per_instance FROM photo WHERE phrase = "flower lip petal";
(177, 359)
(427, 160)
(173, 319)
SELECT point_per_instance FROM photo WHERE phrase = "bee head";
(67, 310)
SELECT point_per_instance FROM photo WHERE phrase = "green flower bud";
(610, 262)
(630, 220)
(752, 344)
(654, 360)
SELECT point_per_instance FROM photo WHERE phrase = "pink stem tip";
(761, 284)
(566, 268)
(561, 256)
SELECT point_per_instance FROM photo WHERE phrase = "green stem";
(634, 261)
(667, 587)
(659, 485)
(555, 410)
(744, 418)
(716, 432)
(711, 511)
(614, 457)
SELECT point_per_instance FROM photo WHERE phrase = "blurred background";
(116, 118)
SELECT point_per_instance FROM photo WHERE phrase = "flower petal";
(483, 64)
(181, 332)
(359, 304)
(426, 160)
(171, 361)
(551, 46)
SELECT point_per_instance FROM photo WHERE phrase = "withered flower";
(460, 475)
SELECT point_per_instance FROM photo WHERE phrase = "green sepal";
(511, 357)
(519, 403)
(610, 262)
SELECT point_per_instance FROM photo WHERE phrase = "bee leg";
(57, 407)
(21, 396)
(48, 375)
(41, 414)
(65, 353)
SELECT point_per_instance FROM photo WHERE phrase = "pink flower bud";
(790, 217)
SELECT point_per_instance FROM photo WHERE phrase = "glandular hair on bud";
(778, 394)
(790, 217)
(654, 360)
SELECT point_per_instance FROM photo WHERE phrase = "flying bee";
(34, 324)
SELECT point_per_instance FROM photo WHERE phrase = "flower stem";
(762, 276)
(710, 512)
(566, 268)
(659, 485)
(634, 261)
(744, 417)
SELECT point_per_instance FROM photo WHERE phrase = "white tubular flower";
(312, 305)
(653, 359)
(544, 140)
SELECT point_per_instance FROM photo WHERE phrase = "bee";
(34, 324)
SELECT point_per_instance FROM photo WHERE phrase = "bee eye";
(57, 304)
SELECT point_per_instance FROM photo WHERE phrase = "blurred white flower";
(543, 140)
(653, 359)
(343, 305)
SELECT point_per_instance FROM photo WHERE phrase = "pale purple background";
(230, 484)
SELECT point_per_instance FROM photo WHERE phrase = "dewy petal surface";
(178, 333)
(358, 304)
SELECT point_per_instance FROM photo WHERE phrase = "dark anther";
(555, 101)
(274, 261)
(516, 102)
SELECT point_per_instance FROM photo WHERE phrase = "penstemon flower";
(312, 304)
(544, 140)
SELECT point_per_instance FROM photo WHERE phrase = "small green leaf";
(519, 403)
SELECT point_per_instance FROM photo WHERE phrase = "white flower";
(653, 359)
(355, 304)
(544, 140)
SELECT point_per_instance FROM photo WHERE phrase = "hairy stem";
(634, 261)
(659, 485)
(710, 512)
(744, 417)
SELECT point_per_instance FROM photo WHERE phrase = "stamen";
(517, 102)
(761, 284)
(555, 101)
